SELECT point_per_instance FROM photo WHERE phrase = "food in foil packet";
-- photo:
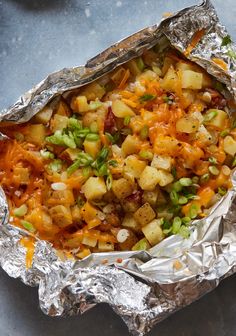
(123, 162)
(133, 151)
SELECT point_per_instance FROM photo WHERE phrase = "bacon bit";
(194, 41)
(119, 260)
(220, 63)
(177, 265)
(110, 122)
(29, 244)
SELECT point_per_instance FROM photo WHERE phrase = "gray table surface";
(36, 38)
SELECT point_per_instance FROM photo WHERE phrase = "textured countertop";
(41, 36)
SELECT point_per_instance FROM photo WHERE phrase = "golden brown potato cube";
(105, 246)
(130, 222)
(170, 81)
(165, 144)
(76, 214)
(44, 116)
(187, 124)
(62, 197)
(35, 134)
(153, 232)
(62, 109)
(191, 80)
(188, 97)
(168, 62)
(229, 145)
(122, 188)
(133, 67)
(61, 215)
(21, 175)
(121, 110)
(94, 188)
(165, 177)
(161, 162)
(92, 147)
(134, 166)
(93, 91)
(150, 197)
(144, 214)
(95, 116)
(79, 104)
(149, 178)
(89, 241)
(131, 145)
(58, 123)
(219, 120)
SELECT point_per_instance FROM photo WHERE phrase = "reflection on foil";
(144, 287)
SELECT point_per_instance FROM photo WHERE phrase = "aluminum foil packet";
(142, 287)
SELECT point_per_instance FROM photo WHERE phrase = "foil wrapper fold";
(145, 287)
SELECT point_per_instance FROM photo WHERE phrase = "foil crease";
(142, 287)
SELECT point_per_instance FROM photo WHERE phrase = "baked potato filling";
(123, 162)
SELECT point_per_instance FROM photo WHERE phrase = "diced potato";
(151, 197)
(21, 175)
(188, 97)
(168, 62)
(41, 221)
(191, 80)
(219, 120)
(61, 215)
(165, 145)
(89, 212)
(76, 214)
(79, 104)
(187, 124)
(92, 147)
(165, 214)
(165, 178)
(149, 56)
(84, 253)
(229, 145)
(117, 151)
(147, 116)
(105, 246)
(147, 75)
(130, 204)
(161, 162)
(35, 134)
(153, 232)
(65, 197)
(142, 244)
(97, 116)
(203, 135)
(171, 80)
(134, 166)
(93, 91)
(89, 241)
(62, 109)
(197, 115)
(130, 222)
(74, 241)
(44, 116)
(122, 188)
(58, 123)
(121, 110)
(185, 65)
(131, 145)
(144, 214)
(149, 178)
(94, 188)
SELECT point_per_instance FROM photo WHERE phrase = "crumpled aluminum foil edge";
(145, 287)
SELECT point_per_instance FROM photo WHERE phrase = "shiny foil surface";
(142, 287)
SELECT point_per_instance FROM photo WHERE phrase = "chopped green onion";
(21, 211)
(109, 181)
(73, 167)
(113, 163)
(183, 200)
(195, 180)
(28, 226)
(46, 154)
(174, 197)
(146, 155)
(103, 154)
(74, 124)
(231, 54)
(86, 171)
(146, 97)
(186, 220)
(222, 191)
(93, 105)
(193, 211)
(174, 172)
(177, 186)
(224, 133)
(140, 63)
(185, 181)
(210, 115)
(184, 231)
(213, 170)
(94, 127)
(92, 137)
(83, 132)
(144, 132)
(103, 170)
(55, 165)
(204, 178)
(166, 231)
(141, 245)
(127, 120)
(213, 160)
(176, 225)
(112, 138)
(226, 40)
